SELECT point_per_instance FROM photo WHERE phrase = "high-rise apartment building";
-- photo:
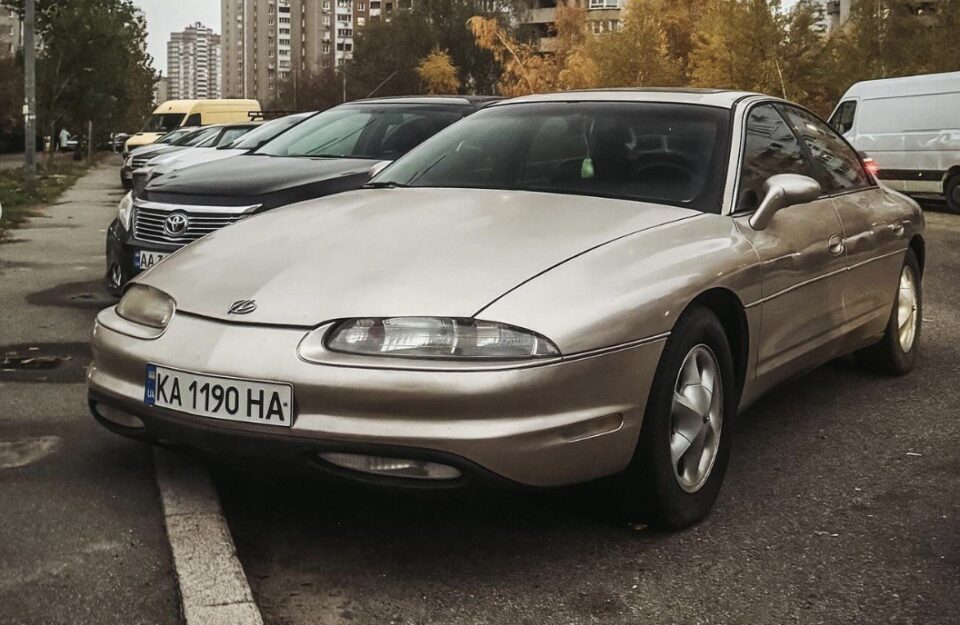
(193, 64)
(538, 16)
(265, 40)
(10, 32)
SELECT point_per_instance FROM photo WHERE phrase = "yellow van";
(176, 113)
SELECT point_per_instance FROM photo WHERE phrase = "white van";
(911, 127)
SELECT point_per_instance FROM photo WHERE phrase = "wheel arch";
(950, 173)
(919, 247)
(728, 308)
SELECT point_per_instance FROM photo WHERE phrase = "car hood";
(150, 148)
(392, 252)
(255, 175)
(195, 157)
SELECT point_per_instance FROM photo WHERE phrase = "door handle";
(836, 245)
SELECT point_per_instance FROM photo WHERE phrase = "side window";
(842, 120)
(770, 148)
(840, 167)
(193, 120)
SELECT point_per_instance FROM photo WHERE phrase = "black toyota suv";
(333, 151)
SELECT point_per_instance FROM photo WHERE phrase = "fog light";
(119, 417)
(396, 467)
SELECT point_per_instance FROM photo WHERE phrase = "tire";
(891, 354)
(113, 279)
(951, 191)
(652, 486)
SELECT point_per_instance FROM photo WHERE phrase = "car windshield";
(162, 122)
(228, 136)
(174, 135)
(198, 137)
(379, 131)
(667, 153)
(255, 138)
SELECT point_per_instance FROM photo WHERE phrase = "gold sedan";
(556, 289)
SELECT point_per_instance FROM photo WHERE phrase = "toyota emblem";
(242, 307)
(176, 225)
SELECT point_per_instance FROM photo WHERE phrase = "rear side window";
(770, 148)
(842, 120)
(839, 167)
(193, 120)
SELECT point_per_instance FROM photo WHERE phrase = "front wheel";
(896, 352)
(684, 444)
(951, 190)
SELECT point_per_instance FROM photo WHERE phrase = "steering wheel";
(661, 163)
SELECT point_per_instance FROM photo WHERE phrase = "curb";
(213, 586)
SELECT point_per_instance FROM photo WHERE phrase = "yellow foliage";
(438, 73)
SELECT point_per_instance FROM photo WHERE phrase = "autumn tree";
(91, 65)
(736, 45)
(387, 54)
(438, 73)
(302, 90)
(649, 49)
(525, 68)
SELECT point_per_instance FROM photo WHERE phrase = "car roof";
(924, 84)
(463, 100)
(722, 98)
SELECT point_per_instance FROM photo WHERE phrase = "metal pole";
(30, 98)
(89, 141)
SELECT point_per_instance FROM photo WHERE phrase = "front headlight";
(147, 306)
(125, 211)
(437, 338)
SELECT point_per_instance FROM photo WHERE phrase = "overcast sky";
(167, 16)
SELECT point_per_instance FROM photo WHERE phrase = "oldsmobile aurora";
(556, 289)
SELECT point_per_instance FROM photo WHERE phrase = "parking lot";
(841, 504)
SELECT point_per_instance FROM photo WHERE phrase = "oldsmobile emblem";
(176, 225)
(242, 307)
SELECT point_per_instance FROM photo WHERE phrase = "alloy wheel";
(907, 309)
(696, 418)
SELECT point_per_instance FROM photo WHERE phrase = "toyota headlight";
(437, 338)
(125, 211)
(147, 306)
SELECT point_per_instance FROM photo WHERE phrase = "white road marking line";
(213, 587)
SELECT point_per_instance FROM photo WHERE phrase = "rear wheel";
(952, 192)
(684, 443)
(897, 350)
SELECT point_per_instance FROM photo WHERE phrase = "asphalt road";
(82, 539)
(841, 505)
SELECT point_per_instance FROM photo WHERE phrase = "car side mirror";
(378, 167)
(781, 191)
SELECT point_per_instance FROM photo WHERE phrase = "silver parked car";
(556, 289)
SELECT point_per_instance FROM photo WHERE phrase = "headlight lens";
(147, 306)
(125, 211)
(439, 338)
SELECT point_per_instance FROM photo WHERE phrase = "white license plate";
(145, 259)
(249, 401)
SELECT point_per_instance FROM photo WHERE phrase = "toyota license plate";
(145, 259)
(248, 401)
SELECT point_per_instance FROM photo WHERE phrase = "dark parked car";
(333, 151)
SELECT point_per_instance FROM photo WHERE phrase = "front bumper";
(545, 425)
(121, 249)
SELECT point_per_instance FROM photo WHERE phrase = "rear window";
(910, 114)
